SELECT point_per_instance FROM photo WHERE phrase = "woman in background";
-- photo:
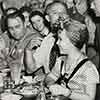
(42, 53)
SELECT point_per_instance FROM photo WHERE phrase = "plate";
(5, 70)
(10, 96)
(27, 91)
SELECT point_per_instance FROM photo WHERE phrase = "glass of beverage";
(15, 72)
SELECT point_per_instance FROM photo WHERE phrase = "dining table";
(29, 88)
(25, 90)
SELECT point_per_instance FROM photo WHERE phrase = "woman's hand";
(59, 90)
(38, 78)
(34, 43)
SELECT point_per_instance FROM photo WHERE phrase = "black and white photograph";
(49, 49)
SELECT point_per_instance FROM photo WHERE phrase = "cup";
(1, 80)
(15, 72)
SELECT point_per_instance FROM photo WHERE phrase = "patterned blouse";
(82, 79)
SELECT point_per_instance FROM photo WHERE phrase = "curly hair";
(78, 34)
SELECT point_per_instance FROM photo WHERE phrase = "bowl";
(28, 91)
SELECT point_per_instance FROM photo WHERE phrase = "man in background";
(95, 5)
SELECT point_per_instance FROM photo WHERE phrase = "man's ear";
(47, 18)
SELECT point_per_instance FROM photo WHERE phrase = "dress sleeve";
(91, 73)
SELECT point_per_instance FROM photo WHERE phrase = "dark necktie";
(53, 56)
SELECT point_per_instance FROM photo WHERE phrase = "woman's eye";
(38, 20)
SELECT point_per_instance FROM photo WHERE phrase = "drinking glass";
(15, 72)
